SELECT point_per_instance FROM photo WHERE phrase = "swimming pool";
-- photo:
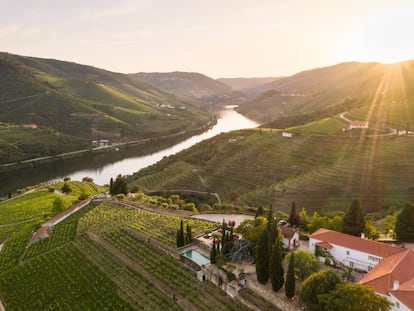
(195, 256)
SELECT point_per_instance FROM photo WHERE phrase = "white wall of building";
(349, 257)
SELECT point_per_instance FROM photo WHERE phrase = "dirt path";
(161, 286)
(2, 308)
(1, 246)
(279, 300)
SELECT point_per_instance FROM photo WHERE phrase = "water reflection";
(125, 161)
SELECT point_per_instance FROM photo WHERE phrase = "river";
(101, 168)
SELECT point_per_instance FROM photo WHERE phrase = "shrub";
(67, 178)
(189, 207)
(120, 196)
(87, 179)
(165, 205)
(303, 237)
(51, 189)
(327, 261)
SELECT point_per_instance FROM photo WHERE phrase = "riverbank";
(182, 135)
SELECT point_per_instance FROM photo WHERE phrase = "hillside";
(250, 86)
(106, 256)
(383, 92)
(190, 85)
(321, 167)
(81, 103)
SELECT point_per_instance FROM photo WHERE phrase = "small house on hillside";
(358, 125)
(40, 234)
(287, 134)
(348, 250)
(290, 237)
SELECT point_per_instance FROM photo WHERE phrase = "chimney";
(362, 235)
(396, 285)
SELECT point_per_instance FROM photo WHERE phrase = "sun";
(383, 35)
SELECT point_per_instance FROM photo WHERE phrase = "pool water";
(198, 258)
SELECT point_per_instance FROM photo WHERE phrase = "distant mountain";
(190, 85)
(83, 103)
(374, 86)
(250, 86)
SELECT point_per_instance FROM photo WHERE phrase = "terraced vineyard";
(63, 279)
(318, 171)
(108, 217)
(106, 257)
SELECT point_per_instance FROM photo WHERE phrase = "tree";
(350, 297)
(119, 185)
(58, 206)
(259, 211)
(303, 219)
(404, 226)
(66, 188)
(305, 263)
(276, 273)
(318, 284)
(294, 218)
(371, 231)
(252, 229)
(353, 221)
(111, 186)
(213, 253)
(290, 278)
(180, 235)
(262, 258)
(188, 236)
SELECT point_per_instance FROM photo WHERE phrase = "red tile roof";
(398, 267)
(356, 243)
(324, 245)
(287, 231)
(41, 233)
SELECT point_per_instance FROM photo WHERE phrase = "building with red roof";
(390, 268)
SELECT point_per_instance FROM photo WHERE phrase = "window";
(372, 258)
(347, 252)
(351, 264)
(397, 304)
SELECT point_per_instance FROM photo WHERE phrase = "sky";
(219, 38)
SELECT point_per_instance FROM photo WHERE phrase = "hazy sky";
(220, 38)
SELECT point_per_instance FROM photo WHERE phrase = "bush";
(189, 207)
(327, 261)
(120, 196)
(67, 178)
(303, 237)
(153, 202)
(51, 189)
(165, 205)
(87, 179)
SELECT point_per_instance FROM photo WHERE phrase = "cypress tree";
(290, 278)
(262, 258)
(353, 221)
(218, 251)
(189, 236)
(294, 218)
(276, 273)
(111, 186)
(270, 218)
(404, 226)
(182, 238)
(259, 212)
(213, 253)
(178, 238)
(223, 233)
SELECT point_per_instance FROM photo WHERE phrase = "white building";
(358, 125)
(351, 251)
(290, 237)
(287, 134)
(391, 272)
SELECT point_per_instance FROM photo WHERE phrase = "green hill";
(83, 103)
(383, 93)
(250, 86)
(191, 85)
(318, 170)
